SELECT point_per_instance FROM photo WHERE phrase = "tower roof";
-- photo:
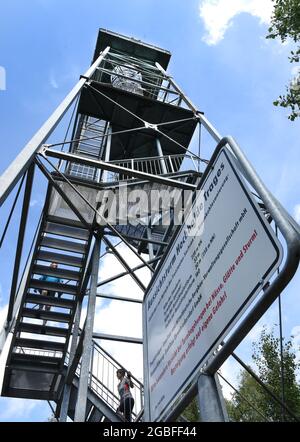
(132, 47)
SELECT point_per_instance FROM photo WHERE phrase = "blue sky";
(219, 57)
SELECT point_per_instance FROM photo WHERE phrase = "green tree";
(266, 356)
(285, 24)
(191, 413)
(241, 410)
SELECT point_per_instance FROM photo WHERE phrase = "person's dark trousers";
(126, 407)
(47, 308)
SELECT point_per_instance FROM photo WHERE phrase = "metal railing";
(36, 352)
(102, 377)
(157, 165)
(136, 76)
(104, 383)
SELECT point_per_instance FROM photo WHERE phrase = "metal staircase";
(38, 357)
(136, 233)
(47, 310)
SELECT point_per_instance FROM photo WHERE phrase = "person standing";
(126, 399)
(49, 278)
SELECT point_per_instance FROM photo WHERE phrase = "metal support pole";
(19, 166)
(161, 155)
(65, 403)
(107, 153)
(127, 339)
(211, 402)
(282, 371)
(119, 298)
(150, 245)
(11, 211)
(67, 390)
(23, 222)
(281, 348)
(80, 410)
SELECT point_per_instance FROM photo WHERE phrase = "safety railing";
(102, 377)
(157, 165)
(36, 352)
(104, 383)
(136, 76)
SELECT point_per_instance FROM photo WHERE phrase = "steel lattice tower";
(132, 129)
(132, 125)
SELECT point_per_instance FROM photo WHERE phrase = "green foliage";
(191, 413)
(240, 410)
(285, 24)
(266, 356)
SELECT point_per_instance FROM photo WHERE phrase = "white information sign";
(205, 283)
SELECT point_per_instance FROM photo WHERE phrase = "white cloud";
(53, 81)
(218, 15)
(119, 318)
(33, 203)
(297, 213)
(67, 75)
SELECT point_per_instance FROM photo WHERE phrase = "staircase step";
(33, 362)
(65, 221)
(46, 315)
(69, 231)
(74, 261)
(58, 273)
(38, 329)
(61, 244)
(53, 286)
(39, 344)
(50, 300)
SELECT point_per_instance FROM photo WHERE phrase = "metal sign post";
(211, 403)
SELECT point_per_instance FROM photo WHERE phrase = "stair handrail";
(112, 400)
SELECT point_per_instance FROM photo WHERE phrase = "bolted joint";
(43, 148)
